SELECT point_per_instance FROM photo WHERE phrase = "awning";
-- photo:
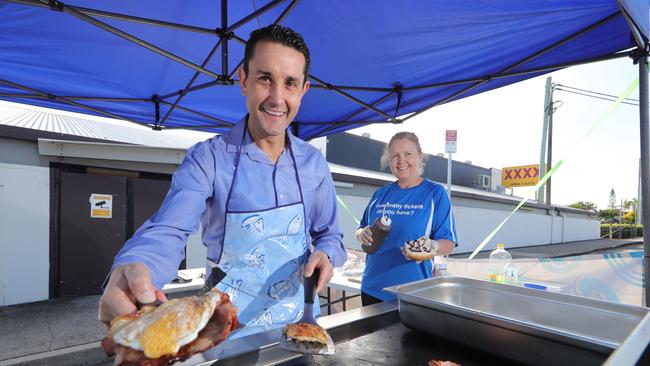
(173, 63)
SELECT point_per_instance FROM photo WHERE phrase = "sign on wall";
(520, 176)
(101, 206)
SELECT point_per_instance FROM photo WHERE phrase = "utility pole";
(548, 111)
(549, 161)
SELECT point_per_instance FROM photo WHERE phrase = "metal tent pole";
(349, 96)
(645, 167)
(55, 98)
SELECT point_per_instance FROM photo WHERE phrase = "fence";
(621, 231)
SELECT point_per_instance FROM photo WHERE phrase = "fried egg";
(165, 329)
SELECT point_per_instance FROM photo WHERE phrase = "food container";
(526, 325)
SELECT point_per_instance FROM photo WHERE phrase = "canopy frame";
(226, 33)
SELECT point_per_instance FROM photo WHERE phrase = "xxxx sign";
(520, 176)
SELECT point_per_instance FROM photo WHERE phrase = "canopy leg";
(645, 169)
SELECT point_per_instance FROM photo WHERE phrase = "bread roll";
(421, 249)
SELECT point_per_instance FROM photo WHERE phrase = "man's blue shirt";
(199, 190)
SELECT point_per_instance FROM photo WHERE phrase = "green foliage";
(608, 215)
(585, 205)
(621, 231)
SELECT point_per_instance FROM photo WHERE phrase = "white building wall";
(558, 227)
(24, 233)
(577, 228)
(473, 224)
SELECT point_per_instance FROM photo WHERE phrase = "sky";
(503, 128)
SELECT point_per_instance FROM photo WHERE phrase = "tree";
(612, 199)
(608, 215)
(585, 205)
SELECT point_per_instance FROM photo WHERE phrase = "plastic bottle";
(440, 266)
(510, 274)
(499, 259)
(380, 229)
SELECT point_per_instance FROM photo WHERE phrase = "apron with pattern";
(263, 256)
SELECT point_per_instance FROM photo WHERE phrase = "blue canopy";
(172, 63)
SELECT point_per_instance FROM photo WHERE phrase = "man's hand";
(319, 260)
(129, 284)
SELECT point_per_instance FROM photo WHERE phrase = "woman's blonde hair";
(385, 156)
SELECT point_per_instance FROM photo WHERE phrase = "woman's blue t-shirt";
(415, 212)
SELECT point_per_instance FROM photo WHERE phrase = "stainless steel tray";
(526, 325)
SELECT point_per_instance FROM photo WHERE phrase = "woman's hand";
(364, 235)
(403, 250)
(433, 246)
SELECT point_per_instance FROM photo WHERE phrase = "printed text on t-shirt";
(398, 209)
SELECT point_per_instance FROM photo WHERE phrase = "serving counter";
(465, 321)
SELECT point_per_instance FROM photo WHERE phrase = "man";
(262, 195)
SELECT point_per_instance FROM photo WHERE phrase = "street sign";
(520, 176)
(450, 141)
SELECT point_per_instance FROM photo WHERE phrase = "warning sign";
(520, 176)
(451, 137)
(101, 206)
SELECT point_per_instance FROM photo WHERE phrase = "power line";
(597, 93)
(595, 96)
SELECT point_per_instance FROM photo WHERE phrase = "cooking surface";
(400, 345)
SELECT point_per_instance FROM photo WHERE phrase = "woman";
(417, 208)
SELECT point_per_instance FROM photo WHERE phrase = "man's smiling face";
(273, 88)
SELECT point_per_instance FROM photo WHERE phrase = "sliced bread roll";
(421, 249)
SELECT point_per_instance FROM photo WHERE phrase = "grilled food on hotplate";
(306, 332)
(172, 331)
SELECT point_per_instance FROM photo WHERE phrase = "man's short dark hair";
(278, 34)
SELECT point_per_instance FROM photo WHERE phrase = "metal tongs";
(308, 317)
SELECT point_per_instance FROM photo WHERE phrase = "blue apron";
(263, 256)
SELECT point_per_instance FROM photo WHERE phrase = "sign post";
(450, 147)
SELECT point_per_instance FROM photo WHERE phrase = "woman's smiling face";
(404, 160)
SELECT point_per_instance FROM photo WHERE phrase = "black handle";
(310, 284)
(215, 276)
